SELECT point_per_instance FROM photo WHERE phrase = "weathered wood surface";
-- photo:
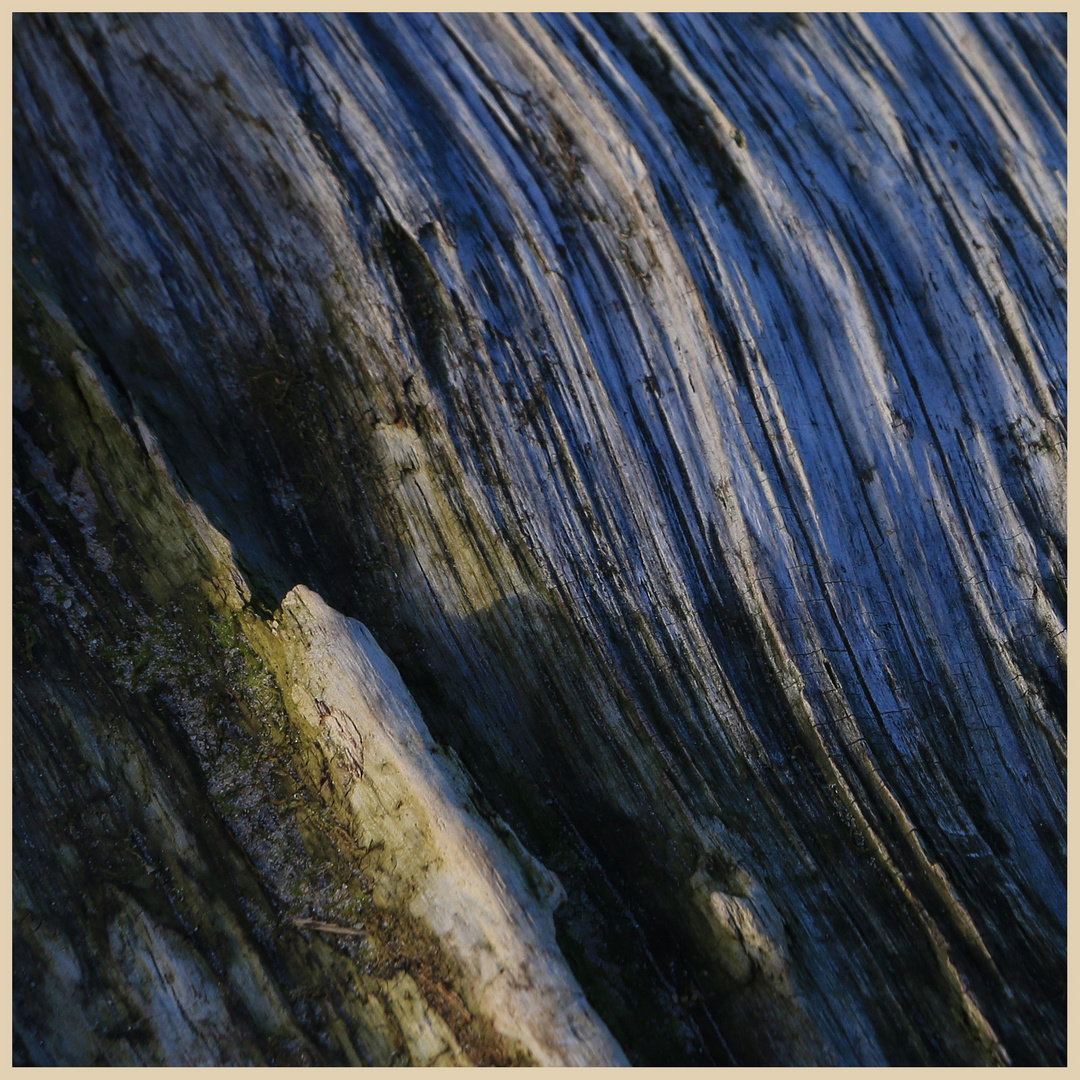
(679, 401)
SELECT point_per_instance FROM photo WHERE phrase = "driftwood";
(663, 418)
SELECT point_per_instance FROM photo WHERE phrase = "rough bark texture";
(678, 403)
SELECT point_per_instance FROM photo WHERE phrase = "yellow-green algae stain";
(191, 652)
